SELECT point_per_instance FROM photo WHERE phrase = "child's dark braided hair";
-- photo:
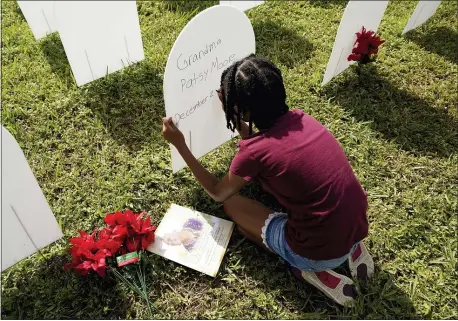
(254, 85)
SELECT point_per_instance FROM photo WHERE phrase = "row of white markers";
(101, 37)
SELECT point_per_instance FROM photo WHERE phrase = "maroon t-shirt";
(301, 163)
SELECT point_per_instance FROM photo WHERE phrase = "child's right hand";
(171, 133)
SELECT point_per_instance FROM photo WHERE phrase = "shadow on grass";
(186, 6)
(54, 52)
(128, 102)
(379, 299)
(281, 45)
(130, 105)
(50, 292)
(441, 40)
(410, 121)
(18, 11)
(326, 4)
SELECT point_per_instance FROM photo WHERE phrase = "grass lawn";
(99, 148)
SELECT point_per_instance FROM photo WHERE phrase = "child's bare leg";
(249, 216)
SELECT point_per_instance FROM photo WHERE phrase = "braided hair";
(253, 85)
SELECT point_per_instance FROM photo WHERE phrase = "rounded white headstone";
(210, 42)
(28, 224)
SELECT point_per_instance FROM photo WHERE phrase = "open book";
(193, 239)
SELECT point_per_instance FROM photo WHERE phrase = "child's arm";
(218, 190)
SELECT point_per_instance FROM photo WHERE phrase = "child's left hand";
(171, 133)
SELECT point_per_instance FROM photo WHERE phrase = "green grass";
(98, 148)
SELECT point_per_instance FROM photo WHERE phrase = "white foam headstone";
(356, 15)
(421, 14)
(242, 5)
(39, 16)
(99, 37)
(28, 224)
(210, 42)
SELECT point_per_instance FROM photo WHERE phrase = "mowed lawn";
(98, 148)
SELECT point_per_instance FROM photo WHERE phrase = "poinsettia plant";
(117, 247)
(366, 45)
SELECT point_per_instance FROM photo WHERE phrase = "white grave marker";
(423, 11)
(39, 16)
(28, 223)
(356, 15)
(242, 5)
(210, 42)
(99, 37)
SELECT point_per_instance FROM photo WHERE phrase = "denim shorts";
(273, 236)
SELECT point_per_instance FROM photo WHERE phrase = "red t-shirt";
(301, 163)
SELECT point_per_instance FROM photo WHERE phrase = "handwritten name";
(216, 65)
(185, 62)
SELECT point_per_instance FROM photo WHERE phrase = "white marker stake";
(356, 15)
(28, 223)
(242, 5)
(423, 11)
(210, 42)
(39, 16)
(99, 37)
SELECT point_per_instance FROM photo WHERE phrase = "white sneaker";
(335, 286)
(361, 263)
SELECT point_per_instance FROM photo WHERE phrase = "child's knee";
(228, 207)
(242, 231)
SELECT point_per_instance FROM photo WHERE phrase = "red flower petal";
(101, 270)
(110, 245)
(150, 237)
(110, 220)
(145, 242)
(83, 234)
(366, 44)
(76, 240)
(105, 233)
(133, 243)
(84, 253)
(115, 219)
(146, 225)
(119, 233)
(83, 268)
(101, 254)
(129, 216)
(354, 57)
(137, 224)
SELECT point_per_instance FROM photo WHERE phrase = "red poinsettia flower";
(354, 57)
(84, 261)
(120, 218)
(115, 219)
(111, 239)
(366, 44)
(79, 254)
(147, 233)
(144, 229)
(85, 240)
(137, 231)
(93, 262)
(133, 243)
(127, 232)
